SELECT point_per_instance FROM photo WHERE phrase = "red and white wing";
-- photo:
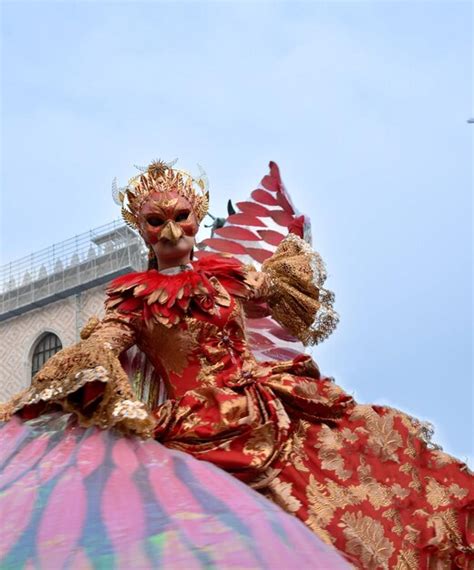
(252, 235)
(147, 384)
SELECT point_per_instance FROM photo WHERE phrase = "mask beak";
(172, 232)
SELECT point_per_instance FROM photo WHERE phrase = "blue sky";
(362, 104)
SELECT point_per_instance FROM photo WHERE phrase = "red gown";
(364, 478)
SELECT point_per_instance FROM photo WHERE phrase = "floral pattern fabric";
(363, 478)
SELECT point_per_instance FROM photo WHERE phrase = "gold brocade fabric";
(364, 478)
(88, 380)
(295, 291)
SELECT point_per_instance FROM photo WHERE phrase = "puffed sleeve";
(88, 380)
(293, 287)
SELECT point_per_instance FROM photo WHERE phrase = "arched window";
(46, 346)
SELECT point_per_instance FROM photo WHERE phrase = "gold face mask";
(166, 216)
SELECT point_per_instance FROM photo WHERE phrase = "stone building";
(47, 297)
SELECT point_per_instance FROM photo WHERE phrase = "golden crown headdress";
(160, 176)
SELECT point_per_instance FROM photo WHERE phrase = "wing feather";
(270, 209)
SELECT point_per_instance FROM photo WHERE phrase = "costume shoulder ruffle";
(296, 292)
(166, 298)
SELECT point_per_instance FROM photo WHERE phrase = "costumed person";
(77, 494)
(228, 387)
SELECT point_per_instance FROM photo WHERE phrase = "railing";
(84, 259)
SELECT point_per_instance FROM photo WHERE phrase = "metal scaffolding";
(71, 266)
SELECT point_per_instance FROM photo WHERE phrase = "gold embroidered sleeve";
(257, 282)
(88, 380)
(294, 290)
(114, 332)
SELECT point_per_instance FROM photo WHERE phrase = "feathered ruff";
(166, 298)
(228, 270)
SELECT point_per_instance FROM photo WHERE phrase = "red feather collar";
(167, 298)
